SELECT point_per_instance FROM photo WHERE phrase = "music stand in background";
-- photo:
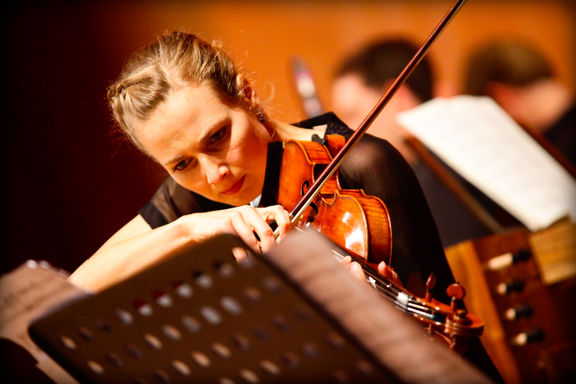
(292, 315)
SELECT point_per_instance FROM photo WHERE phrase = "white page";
(477, 139)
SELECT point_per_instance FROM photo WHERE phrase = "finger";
(239, 253)
(259, 226)
(354, 267)
(282, 219)
(346, 261)
(243, 230)
(387, 272)
(357, 271)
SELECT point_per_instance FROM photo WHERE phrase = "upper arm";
(133, 228)
(375, 166)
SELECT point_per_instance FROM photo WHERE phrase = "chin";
(244, 197)
(235, 201)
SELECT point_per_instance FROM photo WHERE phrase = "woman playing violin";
(183, 102)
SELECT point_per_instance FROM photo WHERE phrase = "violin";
(350, 218)
(360, 224)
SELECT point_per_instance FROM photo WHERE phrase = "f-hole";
(312, 217)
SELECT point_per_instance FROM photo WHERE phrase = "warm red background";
(68, 184)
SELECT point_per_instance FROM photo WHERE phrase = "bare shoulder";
(133, 228)
(286, 132)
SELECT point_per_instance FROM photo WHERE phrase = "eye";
(181, 165)
(219, 135)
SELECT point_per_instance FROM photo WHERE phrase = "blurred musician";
(522, 81)
(359, 81)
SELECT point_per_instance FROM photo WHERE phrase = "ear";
(247, 93)
(245, 89)
(250, 99)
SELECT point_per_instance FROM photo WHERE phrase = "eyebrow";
(174, 160)
(204, 136)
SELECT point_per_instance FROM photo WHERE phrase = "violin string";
(385, 287)
(413, 305)
(391, 292)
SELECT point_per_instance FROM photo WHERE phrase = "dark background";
(69, 182)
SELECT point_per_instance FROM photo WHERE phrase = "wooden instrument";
(355, 221)
(524, 285)
(360, 224)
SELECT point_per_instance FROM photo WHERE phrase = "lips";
(236, 187)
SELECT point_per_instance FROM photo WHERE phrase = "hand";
(389, 273)
(252, 225)
(354, 267)
(383, 269)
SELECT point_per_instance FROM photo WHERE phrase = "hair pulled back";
(172, 61)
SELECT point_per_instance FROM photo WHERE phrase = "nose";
(215, 171)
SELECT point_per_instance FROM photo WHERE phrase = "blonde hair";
(174, 60)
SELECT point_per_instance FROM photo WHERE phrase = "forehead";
(180, 120)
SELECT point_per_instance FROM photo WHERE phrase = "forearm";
(115, 262)
(136, 246)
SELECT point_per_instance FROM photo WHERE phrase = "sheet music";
(477, 139)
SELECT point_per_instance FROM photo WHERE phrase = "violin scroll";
(451, 322)
(458, 325)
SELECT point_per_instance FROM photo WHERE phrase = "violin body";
(360, 226)
(357, 222)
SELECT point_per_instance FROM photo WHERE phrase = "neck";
(284, 131)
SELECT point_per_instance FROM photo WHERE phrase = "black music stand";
(201, 317)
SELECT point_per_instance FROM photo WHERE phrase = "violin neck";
(403, 300)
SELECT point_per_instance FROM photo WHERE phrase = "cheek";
(248, 157)
(191, 182)
(258, 153)
(250, 149)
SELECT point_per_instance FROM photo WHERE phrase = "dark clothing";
(374, 166)
(455, 222)
(563, 135)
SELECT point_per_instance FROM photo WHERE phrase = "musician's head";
(519, 77)
(507, 62)
(363, 77)
(182, 101)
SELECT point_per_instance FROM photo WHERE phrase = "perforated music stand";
(202, 317)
